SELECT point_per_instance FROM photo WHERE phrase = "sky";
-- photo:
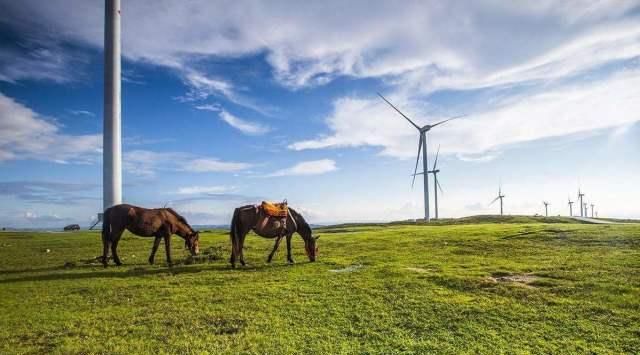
(227, 103)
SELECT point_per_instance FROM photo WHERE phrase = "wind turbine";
(592, 205)
(546, 208)
(436, 186)
(500, 197)
(586, 210)
(422, 144)
(570, 207)
(580, 195)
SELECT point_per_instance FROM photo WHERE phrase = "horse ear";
(316, 237)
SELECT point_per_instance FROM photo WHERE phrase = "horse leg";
(289, 257)
(275, 248)
(156, 244)
(167, 247)
(114, 248)
(106, 244)
(232, 260)
(241, 249)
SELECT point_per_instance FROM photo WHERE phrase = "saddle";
(273, 218)
(275, 209)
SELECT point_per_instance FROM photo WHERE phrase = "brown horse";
(246, 218)
(159, 223)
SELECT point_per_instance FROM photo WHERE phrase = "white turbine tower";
(436, 183)
(422, 145)
(592, 206)
(570, 207)
(112, 148)
(546, 208)
(500, 197)
(580, 196)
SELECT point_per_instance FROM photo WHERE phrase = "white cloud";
(196, 190)
(213, 165)
(444, 44)
(560, 111)
(209, 107)
(24, 134)
(246, 127)
(40, 59)
(145, 163)
(82, 113)
(313, 167)
(203, 86)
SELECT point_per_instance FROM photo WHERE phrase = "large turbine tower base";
(112, 148)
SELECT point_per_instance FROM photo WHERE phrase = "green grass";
(406, 289)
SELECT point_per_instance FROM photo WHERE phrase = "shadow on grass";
(135, 271)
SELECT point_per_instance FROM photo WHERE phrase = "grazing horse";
(247, 218)
(158, 222)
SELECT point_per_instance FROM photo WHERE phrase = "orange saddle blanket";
(275, 209)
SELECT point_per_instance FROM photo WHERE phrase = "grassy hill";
(515, 287)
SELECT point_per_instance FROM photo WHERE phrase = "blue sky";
(228, 103)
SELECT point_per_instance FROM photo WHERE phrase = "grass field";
(476, 288)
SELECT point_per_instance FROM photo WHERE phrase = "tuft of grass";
(512, 287)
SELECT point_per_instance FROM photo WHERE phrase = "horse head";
(192, 242)
(310, 247)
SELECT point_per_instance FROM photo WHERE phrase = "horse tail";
(235, 226)
(234, 235)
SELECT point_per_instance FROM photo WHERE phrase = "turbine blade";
(400, 112)
(435, 162)
(447, 120)
(494, 200)
(417, 161)
(439, 187)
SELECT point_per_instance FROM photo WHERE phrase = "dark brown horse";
(247, 218)
(159, 223)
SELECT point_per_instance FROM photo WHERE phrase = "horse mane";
(179, 217)
(300, 221)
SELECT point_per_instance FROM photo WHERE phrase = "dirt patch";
(517, 279)
(350, 268)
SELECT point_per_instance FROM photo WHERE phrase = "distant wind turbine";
(586, 210)
(500, 197)
(592, 205)
(422, 145)
(580, 195)
(570, 207)
(546, 208)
